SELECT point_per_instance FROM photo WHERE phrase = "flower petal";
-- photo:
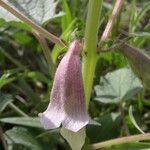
(51, 118)
(54, 114)
(73, 96)
(67, 105)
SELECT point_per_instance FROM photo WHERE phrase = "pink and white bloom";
(67, 100)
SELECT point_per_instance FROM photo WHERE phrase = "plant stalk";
(90, 46)
(111, 21)
(122, 140)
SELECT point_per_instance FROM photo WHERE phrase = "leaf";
(139, 61)
(6, 79)
(25, 121)
(13, 60)
(23, 136)
(38, 76)
(109, 128)
(118, 85)
(40, 11)
(4, 101)
(67, 18)
(22, 38)
(140, 34)
(75, 139)
(133, 120)
(141, 14)
(28, 91)
(66, 37)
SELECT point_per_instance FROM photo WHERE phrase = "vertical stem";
(124, 125)
(90, 46)
(111, 20)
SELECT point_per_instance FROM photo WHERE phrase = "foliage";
(25, 81)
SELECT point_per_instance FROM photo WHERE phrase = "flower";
(67, 100)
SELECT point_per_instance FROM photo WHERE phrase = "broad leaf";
(25, 121)
(109, 128)
(118, 85)
(40, 11)
(23, 136)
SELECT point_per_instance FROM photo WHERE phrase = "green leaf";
(22, 38)
(28, 91)
(25, 121)
(109, 128)
(66, 37)
(75, 139)
(140, 34)
(38, 76)
(6, 79)
(40, 11)
(118, 85)
(142, 13)
(67, 18)
(23, 136)
(12, 59)
(133, 120)
(4, 101)
(139, 61)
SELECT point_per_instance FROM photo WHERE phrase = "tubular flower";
(67, 100)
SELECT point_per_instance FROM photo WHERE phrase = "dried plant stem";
(28, 21)
(111, 20)
(46, 51)
(3, 139)
(122, 140)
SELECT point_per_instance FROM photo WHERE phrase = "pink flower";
(67, 100)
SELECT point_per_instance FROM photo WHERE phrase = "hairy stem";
(46, 51)
(28, 21)
(90, 46)
(122, 140)
(110, 23)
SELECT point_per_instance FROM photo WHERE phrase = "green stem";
(90, 46)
